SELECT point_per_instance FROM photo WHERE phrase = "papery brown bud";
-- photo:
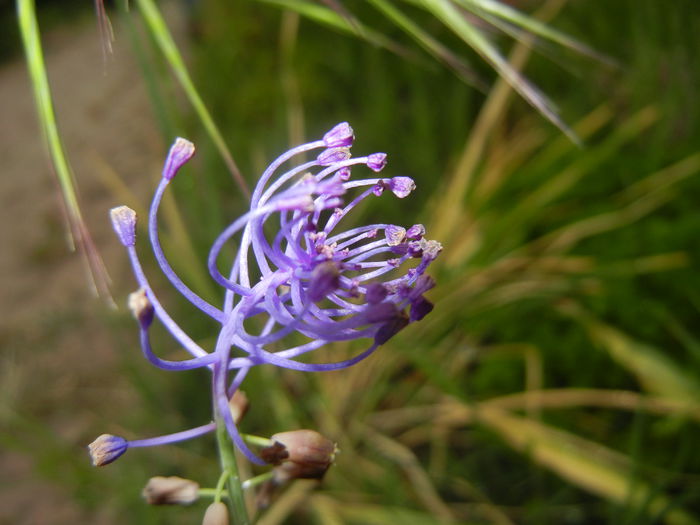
(216, 514)
(239, 405)
(308, 455)
(106, 448)
(170, 490)
(141, 307)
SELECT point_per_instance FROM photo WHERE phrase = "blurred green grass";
(555, 381)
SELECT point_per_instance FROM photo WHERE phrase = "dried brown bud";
(216, 514)
(239, 405)
(170, 491)
(300, 454)
(106, 448)
(141, 307)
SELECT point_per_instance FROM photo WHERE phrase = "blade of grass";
(452, 18)
(429, 43)
(534, 26)
(584, 463)
(653, 369)
(78, 232)
(161, 34)
(334, 20)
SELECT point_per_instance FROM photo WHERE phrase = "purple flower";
(296, 270)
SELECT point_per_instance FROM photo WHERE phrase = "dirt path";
(55, 353)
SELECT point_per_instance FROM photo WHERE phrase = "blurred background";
(557, 379)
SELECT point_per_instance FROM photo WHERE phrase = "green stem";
(228, 464)
(257, 440)
(257, 480)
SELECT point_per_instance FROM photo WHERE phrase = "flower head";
(307, 279)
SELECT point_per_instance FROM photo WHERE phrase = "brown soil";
(56, 354)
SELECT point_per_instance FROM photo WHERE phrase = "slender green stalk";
(161, 34)
(220, 485)
(257, 480)
(229, 465)
(79, 235)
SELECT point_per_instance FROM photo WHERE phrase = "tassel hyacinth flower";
(307, 281)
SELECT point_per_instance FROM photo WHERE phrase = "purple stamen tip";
(341, 135)
(124, 224)
(180, 152)
(402, 186)
(106, 449)
(376, 161)
(333, 155)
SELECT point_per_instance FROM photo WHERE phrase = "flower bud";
(106, 449)
(180, 152)
(325, 279)
(341, 135)
(124, 224)
(238, 404)
(304, 454)
(394, 234)
(333, 155)
(390, 329)
(415, 232)
(420, 307)
(376, 161)
(141, 307)
(216, 514)
(376, 293)
(402, 186)
(172, 490)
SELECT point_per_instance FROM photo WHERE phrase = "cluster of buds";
(308, 283)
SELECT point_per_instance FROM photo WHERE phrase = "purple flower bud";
(106, 449)
(180, 152)
(420, 307)
(376, 293)
(141, 307)
(380, 312)
(394, 235)
(415, 232)
(378, 189)
(171, 490)
(124, 224)
(402, 186)
(422, 285)
(344, 173)
(341, 135)
(376, 161)
(390, 329)
(333, 155)
(325, 279)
